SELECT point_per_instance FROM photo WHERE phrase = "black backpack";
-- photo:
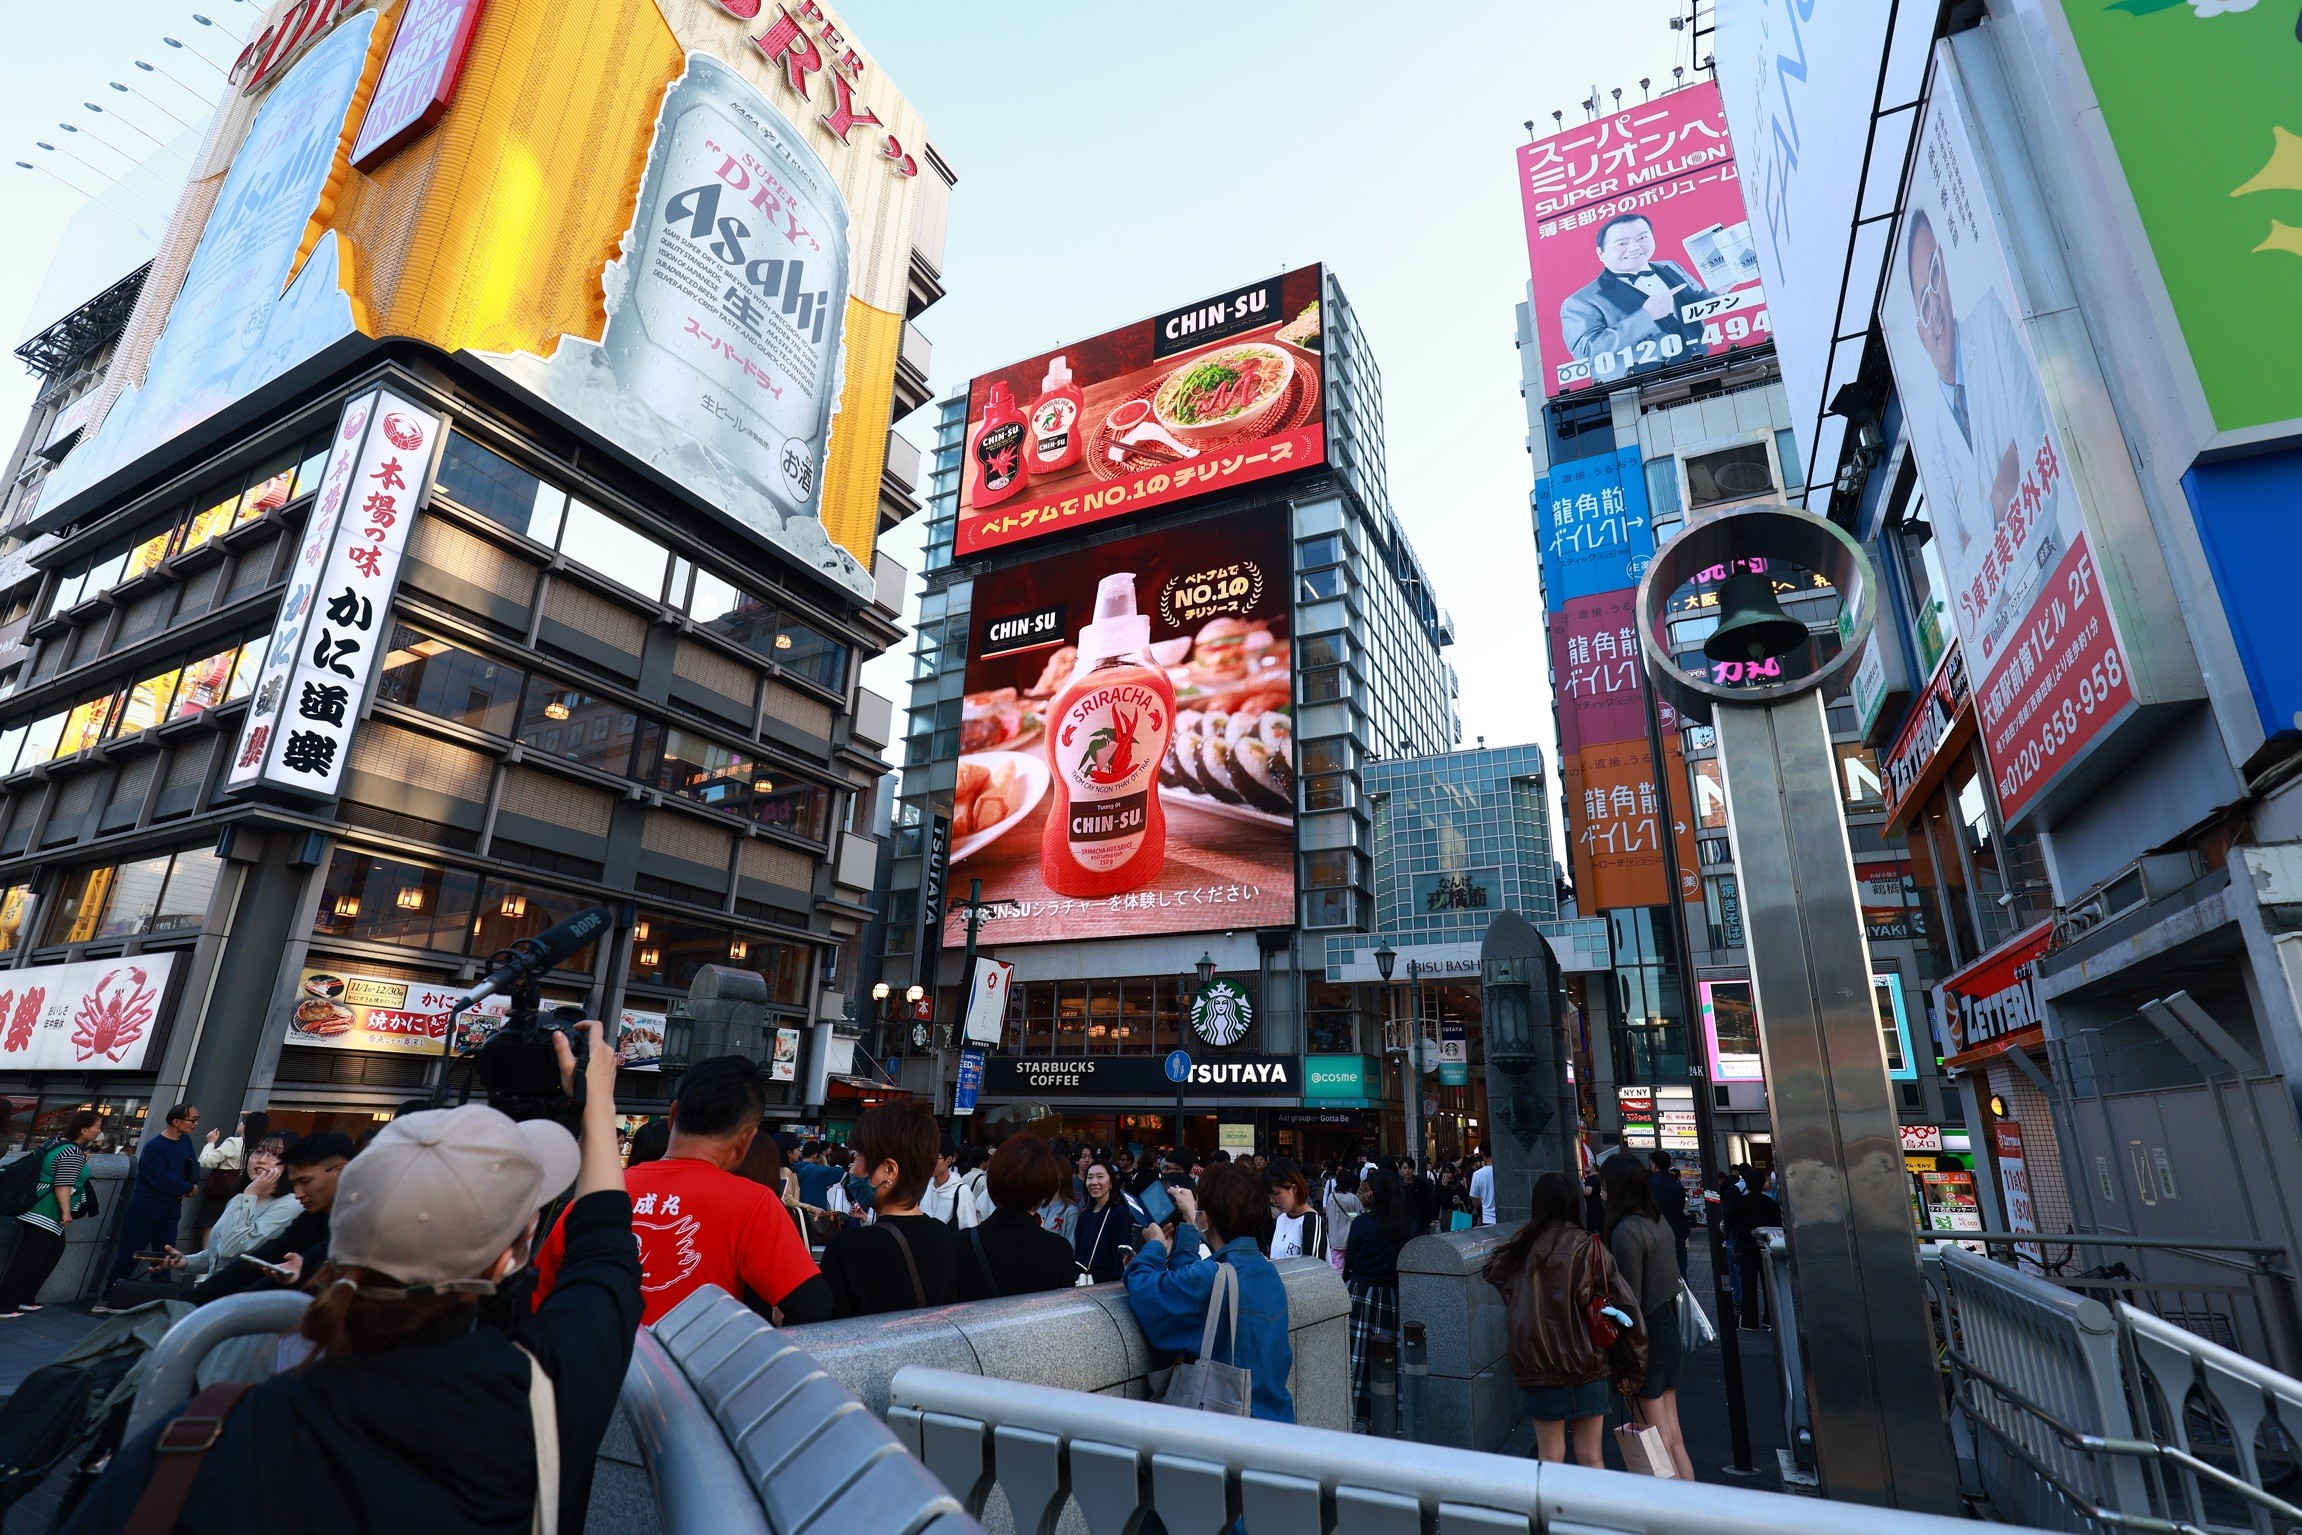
(20, 1181)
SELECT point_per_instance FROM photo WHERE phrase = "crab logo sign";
(1221, 1012)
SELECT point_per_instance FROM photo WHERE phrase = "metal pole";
(1414, 1367)
(1383, 1387)
(1414, 1068)
(1706, 1124)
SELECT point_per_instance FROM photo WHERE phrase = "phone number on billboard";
(2102, 686)
(1732, 330)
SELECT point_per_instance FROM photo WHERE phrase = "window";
(1731, 474)
(1322, 650)
(507, 912)
(85, 725)
(1321, 686)
(148, 702)
(1314, 552)
(666, 951)
(1329, 868)
(1332, 755)
(725, 779)
(572, 725)
(165, 893)
(381, 900)
(15, 907)
(811, 655)
(624, 556)
(797, 648)
(206, 683)
(450, 684)
(480, 480)
(1318, 584)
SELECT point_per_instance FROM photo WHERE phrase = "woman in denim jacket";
(1170, 1279)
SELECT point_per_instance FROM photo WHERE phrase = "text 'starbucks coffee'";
(1106, 736)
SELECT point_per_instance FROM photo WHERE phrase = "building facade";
(261, 831)
(2085, 736)
(1097, 1003)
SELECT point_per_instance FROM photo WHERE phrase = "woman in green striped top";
(41, 1242)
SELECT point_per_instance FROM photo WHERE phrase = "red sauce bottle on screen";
(1002, 444)
(1107, 733)
(1055, 436)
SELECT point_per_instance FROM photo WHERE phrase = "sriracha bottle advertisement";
(1217, 394)
(1127, 754)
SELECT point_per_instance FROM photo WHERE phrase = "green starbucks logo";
(1221, 1012)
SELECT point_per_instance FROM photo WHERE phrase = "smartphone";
(1158, 1203)
(152, 1258)
(273, 1269)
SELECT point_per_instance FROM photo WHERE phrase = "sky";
(1113, 162)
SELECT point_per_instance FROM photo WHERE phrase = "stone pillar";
(1470, 1398)
(730, 1010)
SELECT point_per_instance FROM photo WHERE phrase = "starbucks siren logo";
(1221, 1012)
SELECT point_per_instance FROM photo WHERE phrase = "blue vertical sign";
(1591, 526)
(2244, 508)
(970, 1083)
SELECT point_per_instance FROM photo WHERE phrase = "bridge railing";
(1118, 1461)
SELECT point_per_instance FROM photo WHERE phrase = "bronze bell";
(1752, 625)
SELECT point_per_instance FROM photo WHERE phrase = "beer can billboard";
(1219, 393)
(699, 256)
(1638, 243)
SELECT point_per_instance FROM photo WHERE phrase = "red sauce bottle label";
(999, 455)
(1108, 744)
(1051, 421)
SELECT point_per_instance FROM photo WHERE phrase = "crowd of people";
(466, 1295)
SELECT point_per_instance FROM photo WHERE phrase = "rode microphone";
(547, 950)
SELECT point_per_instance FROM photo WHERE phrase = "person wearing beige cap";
(436, 1400)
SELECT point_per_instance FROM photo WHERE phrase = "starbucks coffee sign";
(1221, 1013)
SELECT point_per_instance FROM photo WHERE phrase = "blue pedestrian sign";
(1179, 1067)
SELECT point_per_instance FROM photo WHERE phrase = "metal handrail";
(2097, 1239)
(174, 1365)
(699, 1484)
(1118, 1458)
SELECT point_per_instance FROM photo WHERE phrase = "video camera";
(516, 1064)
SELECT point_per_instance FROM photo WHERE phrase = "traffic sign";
(1179, 1067)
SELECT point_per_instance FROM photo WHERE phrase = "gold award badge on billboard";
(1198, 595)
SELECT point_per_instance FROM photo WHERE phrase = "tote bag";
(1203, 1383)
(1695, 1329)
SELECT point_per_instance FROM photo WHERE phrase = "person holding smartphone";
(415, 1412)
(1108, 1222)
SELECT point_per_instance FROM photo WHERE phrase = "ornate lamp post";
(1520, 992)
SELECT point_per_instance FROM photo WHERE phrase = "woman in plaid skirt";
(1371, 1270)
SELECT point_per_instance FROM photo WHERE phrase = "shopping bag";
(1643, 1450)
(1695, 1329)
(1459, 1221)
(1203, 1383)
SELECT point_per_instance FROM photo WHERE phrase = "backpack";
(20, 1180)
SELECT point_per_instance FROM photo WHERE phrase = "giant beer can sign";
(724, 314)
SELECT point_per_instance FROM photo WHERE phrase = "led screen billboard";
(1208, 397)
(1637, 240)
(701, 254)
(1122, 775)
(1731, 1029)
(2034, 622)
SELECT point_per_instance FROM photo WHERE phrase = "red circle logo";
(405, 435)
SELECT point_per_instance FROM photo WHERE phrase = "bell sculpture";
(1752, 625)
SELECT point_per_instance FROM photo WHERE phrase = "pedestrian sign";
(1179, 1067)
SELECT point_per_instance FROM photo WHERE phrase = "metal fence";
(1062, 1459)
(2085, 1401)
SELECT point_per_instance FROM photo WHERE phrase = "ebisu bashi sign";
(699, 257)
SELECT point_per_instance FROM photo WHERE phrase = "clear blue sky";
(1117, 160)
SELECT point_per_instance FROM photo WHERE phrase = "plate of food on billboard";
(1217, 394)
(1127, 760)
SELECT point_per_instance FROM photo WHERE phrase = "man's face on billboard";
(1629, 247)
(1930, 297)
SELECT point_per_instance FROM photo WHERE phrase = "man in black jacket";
(1754, 1210)
(311, 1168)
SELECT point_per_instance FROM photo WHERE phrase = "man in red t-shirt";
(698, 1223)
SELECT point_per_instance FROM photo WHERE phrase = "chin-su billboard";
(698, 254)
(1220, 393)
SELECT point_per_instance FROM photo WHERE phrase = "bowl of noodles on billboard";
(1228, 392)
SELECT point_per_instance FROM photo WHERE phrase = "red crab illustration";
(107, 1025)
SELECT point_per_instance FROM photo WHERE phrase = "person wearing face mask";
(411, 1413)
(905, 1258)
(1634, 303)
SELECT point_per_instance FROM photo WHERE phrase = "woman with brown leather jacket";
(1548, 1273)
